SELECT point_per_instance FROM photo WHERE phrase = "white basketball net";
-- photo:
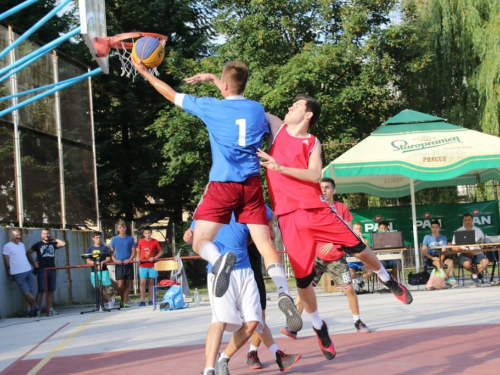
(128, 69)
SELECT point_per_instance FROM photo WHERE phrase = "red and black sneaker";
(253, 360)
(286, 361)
(287, 332)
(398, 290)
(325, 343)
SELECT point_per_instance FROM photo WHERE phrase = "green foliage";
(130, 158)
(461, 81)
(346, 55)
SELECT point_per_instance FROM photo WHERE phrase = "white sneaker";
(53, 312)
(111, 303)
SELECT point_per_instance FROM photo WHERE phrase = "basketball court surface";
(451, 331)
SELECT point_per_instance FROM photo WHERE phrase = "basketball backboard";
(93, 26)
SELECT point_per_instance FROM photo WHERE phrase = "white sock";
(253, 348)
(207, 370)
(209, 252)
(356, 318)
(277, 272)
(273, 349)
(223, 355)
(474, 276)
(382, 274)
(316, 320)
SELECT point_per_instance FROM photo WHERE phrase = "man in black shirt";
(45, 258)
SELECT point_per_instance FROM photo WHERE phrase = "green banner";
(484, 215)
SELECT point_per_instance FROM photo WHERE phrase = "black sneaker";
(253, 360)
(286, 361)
(361, 327)
(222, 366)
(325, 343)
(398, 290)
(293, 318)
(222, 270)
(476, 281)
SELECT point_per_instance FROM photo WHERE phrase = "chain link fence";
(52, 182)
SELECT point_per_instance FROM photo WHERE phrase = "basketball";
(149, 50)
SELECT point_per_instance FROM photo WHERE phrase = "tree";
(461, 81)
(129, 158)
(342, 53)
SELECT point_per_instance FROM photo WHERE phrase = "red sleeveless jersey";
(288, 193)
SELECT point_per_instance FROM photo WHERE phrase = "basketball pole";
(49, 92)
(37, 53)
(34, 28)
(16, 9)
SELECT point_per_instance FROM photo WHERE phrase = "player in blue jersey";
(236, 127)
(239, 310)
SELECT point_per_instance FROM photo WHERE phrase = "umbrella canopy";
(414, 151)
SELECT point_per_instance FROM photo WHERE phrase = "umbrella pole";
(414, 222)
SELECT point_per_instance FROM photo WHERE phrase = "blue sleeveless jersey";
(236, 127)
(234, 237)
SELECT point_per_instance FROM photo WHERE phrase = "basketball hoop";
(122, 44)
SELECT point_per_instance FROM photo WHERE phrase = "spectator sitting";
(468, 259)
(433, 258)
(393, 264)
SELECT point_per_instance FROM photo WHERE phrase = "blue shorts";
(23, 279)
(51, 280)
(356, 266)
(147, 273)
(476, 259)
(102, 278)
(390, 264)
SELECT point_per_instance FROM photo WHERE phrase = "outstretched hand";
(200, 77)
(270, 162)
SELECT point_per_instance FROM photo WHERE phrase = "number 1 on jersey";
(242, 123)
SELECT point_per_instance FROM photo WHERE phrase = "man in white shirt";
(19, 269)
(477, 257)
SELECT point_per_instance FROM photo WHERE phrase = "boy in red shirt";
(149, 251)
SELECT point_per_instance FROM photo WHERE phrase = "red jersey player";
(293, 170)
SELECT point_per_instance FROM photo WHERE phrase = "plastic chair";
(163, 265)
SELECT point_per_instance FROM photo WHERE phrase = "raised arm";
(160, 86)
(204, 77)
(274, 122)
(310, 174)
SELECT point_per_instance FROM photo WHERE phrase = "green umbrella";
(414, 151)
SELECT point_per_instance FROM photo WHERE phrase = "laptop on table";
(465, 237)
(387, 240)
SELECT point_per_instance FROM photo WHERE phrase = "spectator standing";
(45, 258)
(123, 253)
(149, 252)
(101, 264)
(19, 270)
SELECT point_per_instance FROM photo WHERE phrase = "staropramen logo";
(422, 143)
